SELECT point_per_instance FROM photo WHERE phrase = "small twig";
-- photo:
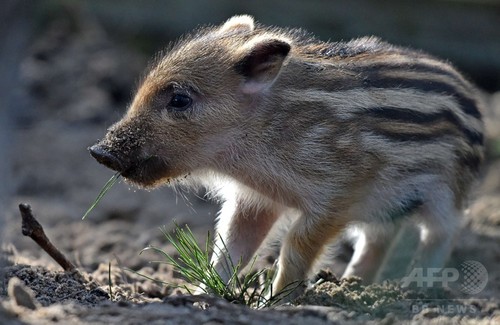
(33, 229)
(110, 282)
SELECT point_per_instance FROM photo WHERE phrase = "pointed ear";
(262, 63)
(243, 23)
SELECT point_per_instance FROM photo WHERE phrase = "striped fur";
(356, 135)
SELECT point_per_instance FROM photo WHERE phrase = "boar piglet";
(344, 136)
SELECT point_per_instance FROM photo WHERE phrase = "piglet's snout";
(108, 159)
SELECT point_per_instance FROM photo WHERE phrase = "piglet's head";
(194, 105)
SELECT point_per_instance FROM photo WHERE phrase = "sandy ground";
(78, 83)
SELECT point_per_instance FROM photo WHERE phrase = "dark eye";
(180, 102)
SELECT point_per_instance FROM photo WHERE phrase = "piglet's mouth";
(143, 168)
(146, 172)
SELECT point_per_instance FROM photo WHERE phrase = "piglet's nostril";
(106, 158)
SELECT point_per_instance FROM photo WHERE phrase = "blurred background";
(69, 69)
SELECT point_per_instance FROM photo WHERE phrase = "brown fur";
(341, 135)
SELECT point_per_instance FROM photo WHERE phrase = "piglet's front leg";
(302, 246)
(241, 229)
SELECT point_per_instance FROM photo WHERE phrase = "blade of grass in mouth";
(109, 184)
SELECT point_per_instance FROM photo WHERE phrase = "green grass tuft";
(193, 263)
